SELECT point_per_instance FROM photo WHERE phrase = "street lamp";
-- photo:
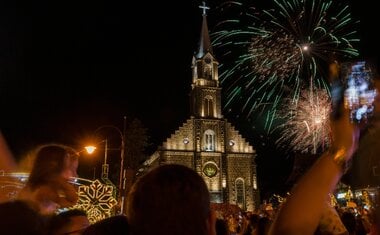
(105, 166)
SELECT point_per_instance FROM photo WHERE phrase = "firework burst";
(274, 54)
(306, 128)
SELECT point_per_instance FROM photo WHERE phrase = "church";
(207, 142)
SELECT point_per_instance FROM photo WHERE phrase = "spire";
(204, 42)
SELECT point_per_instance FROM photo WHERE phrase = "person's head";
(170, 199)
(263, 225)
(221, 227)
(349, 220)
(19, 217)
(115, 225)
(70, 222)
(52, 160)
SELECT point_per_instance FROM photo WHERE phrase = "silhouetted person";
(73, 221)
(115, 225)
(221, 227)
(20, 218)
(170, 199)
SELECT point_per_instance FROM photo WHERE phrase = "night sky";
(68, 67)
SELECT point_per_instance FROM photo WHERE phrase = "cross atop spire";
(204, 8)
(204, 42)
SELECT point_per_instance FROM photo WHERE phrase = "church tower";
(207, 142)
(205, 95)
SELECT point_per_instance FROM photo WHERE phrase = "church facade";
(207, 142)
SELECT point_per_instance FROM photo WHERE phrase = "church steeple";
(204, 42)
(205, 96)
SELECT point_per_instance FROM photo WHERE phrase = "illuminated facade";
(207, 142)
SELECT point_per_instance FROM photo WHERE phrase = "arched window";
(240, 192)
(209, 140)
(208, 68)
(208, 106)
(208, 71)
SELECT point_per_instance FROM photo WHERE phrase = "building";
(207, 142)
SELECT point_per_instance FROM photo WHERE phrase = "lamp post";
(105, 166)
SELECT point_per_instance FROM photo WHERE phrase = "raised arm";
(303, 209)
